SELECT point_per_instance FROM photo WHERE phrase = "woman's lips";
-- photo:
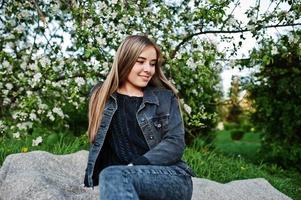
(145, 77)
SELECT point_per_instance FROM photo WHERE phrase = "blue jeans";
(121, 182)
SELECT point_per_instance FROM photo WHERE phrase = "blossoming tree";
(52, 52)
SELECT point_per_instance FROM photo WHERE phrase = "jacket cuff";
(141, 161)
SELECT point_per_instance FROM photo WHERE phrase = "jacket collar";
(148, 95)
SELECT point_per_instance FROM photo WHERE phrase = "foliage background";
(53, 52)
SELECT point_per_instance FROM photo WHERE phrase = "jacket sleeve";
(172, 145)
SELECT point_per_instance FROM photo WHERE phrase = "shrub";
(276, 91)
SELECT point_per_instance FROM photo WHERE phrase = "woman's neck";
(130, 91)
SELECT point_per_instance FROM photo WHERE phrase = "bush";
(276, 92)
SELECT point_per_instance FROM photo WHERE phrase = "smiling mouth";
(146, 77)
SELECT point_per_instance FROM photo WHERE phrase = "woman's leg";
(144, 182)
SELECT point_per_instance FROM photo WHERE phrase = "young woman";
(136, 129)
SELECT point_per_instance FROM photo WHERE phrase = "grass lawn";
(234, 160)
(247, 147)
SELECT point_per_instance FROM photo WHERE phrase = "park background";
(53, 52)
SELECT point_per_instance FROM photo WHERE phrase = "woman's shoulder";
(162, 92)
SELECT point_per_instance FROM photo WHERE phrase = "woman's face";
(143, 69)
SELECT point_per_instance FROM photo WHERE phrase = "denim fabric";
(161, 123)
(146, 182)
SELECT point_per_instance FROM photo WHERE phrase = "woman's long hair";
(125, 58)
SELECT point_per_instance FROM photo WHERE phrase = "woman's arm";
(172, 145)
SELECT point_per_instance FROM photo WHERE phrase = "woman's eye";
(141, 62)
(153, 64)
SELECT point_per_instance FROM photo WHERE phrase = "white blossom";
(9, 86)
(57, 68)
(45, 61)
(291, 38)
(32, 116)
(20, 28)
(194, 91)
(220, 126)
(231, 21)
(20, 75)
(191, 64)
(6, 101)
(121, 27)
(37, 77)
(25, 13)
(2, 126)
(43, 106)
(56, 84)
(58, 111)
(55, 8)
(5, 92)
(80, 81)
(23, 65)
(11, 37)
(37, 141)
(75, 104)
(12, 22)
(16, 135)
(114, 14)
(33, 66)
(178, 56)
(252, 28)
(50, 116)
(29, 93)
(6, 64)
(187, 108)
(89, 22)
(9, 46)
(114, 1)
(100, 5)
(274, 50)
(24, 125)
(94, 62)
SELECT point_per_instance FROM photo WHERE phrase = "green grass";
(235, 160)
(221, 165)
(247, 148)
(215, 166)
(61, 143)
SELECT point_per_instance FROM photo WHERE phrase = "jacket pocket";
(161, 124)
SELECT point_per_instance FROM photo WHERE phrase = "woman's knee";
(111, 173)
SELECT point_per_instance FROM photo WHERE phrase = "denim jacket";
(162, 126)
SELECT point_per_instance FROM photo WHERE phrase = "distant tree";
(276, 93)
(234, 107)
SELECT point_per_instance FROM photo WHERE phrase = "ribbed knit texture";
(127, 140)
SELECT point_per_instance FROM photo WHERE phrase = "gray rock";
(41, 175)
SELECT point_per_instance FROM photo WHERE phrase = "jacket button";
(142, 119)
(159, 125)
(151, 137)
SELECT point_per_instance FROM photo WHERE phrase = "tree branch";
(2, 4)
(189, 37)
(230, 15)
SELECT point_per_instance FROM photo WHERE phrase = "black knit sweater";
(126, 141)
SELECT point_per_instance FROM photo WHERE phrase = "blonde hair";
(125, 58)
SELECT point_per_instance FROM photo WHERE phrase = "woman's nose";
(147, 67)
